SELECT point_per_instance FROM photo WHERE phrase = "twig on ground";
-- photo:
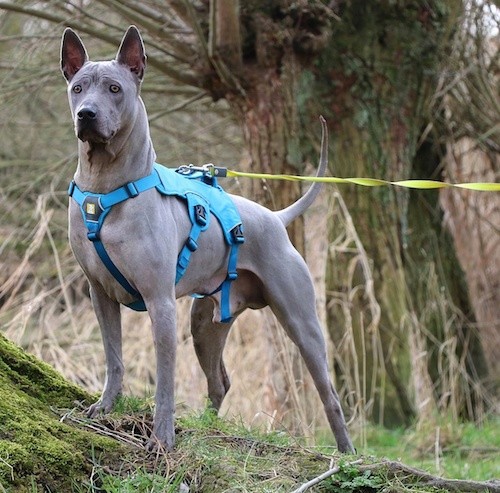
(324, 476)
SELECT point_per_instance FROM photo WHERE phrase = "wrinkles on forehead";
(99, 72)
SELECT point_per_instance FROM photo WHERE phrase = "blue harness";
(203, 196)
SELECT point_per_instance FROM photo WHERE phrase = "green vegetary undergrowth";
(217, 455)
(449, 449)
(39, 453)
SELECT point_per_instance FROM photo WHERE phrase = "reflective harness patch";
(203, 197)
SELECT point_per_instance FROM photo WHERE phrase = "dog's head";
(102, 95)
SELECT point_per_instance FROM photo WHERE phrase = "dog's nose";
(87, 113)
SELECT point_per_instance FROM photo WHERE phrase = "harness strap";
(108, 200)
(101, 251)
(237, 239)
(232, 274)
(200, 216)
(225, 305)
(95, 207)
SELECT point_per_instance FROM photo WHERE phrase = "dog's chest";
(86, 255)
(133, 242)
(128, 230)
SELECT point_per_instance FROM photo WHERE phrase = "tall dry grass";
(46, 309)
(53, 318)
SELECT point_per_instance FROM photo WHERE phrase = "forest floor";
(48, 445)
(215, 454)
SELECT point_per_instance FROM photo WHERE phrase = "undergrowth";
(450, 449)
(214, 454)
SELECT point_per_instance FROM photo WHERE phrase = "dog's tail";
(300, 206)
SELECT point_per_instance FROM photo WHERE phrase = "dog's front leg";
(108, 316)
(163, 319)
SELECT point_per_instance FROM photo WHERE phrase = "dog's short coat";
(143, 237)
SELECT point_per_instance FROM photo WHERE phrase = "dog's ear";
(73, 54)
(131, 52)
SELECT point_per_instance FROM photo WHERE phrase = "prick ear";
(73, 54)
(131, 52)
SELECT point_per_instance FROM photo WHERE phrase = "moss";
(36, 448)
(36, 378)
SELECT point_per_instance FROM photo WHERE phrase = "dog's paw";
(162, 439)
(155, 446)
(98, 408)
(347, 448)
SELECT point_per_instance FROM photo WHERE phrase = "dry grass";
(54, 320)
(46, 310)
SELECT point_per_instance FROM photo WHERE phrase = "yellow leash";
(365, 182)
(221, 172)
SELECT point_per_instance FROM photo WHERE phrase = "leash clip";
(208, 169)
(213, 170)
(185, 169)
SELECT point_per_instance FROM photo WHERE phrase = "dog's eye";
(114, 88)
(77, 89)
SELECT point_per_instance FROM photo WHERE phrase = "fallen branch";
(410, 475)
(400, 471)
(324, 476)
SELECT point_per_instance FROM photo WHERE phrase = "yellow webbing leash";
(369, 182)
(222, 172)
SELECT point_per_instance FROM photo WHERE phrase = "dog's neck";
(128, 156)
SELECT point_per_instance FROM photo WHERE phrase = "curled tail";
(298, 208)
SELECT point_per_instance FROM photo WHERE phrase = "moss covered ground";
(48, 445)
(38, 452)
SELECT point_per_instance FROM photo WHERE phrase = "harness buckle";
(191, 244)
(93, 236)
(237, 233)
(92, 208)
(232, 276)
(200, 214)
(71, 188)
(131, 190)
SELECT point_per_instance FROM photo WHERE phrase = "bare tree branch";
(396, 469)
(181, 9)
(225, 35)
(157, 25)
(160, 63)
(58, 19)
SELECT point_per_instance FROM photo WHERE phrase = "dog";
(143, 237)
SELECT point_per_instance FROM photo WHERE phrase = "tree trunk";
(268, 126)
(268, 117)
(474, 222)
(380, 100)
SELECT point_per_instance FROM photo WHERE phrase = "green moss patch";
(38, 452)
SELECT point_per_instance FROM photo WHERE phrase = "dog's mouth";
(87, 132)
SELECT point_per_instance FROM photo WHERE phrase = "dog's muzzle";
(87, 125)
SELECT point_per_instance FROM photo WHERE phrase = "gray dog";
(144, 237)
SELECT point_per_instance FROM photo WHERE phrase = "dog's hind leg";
(293, 302)
(209, 339)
